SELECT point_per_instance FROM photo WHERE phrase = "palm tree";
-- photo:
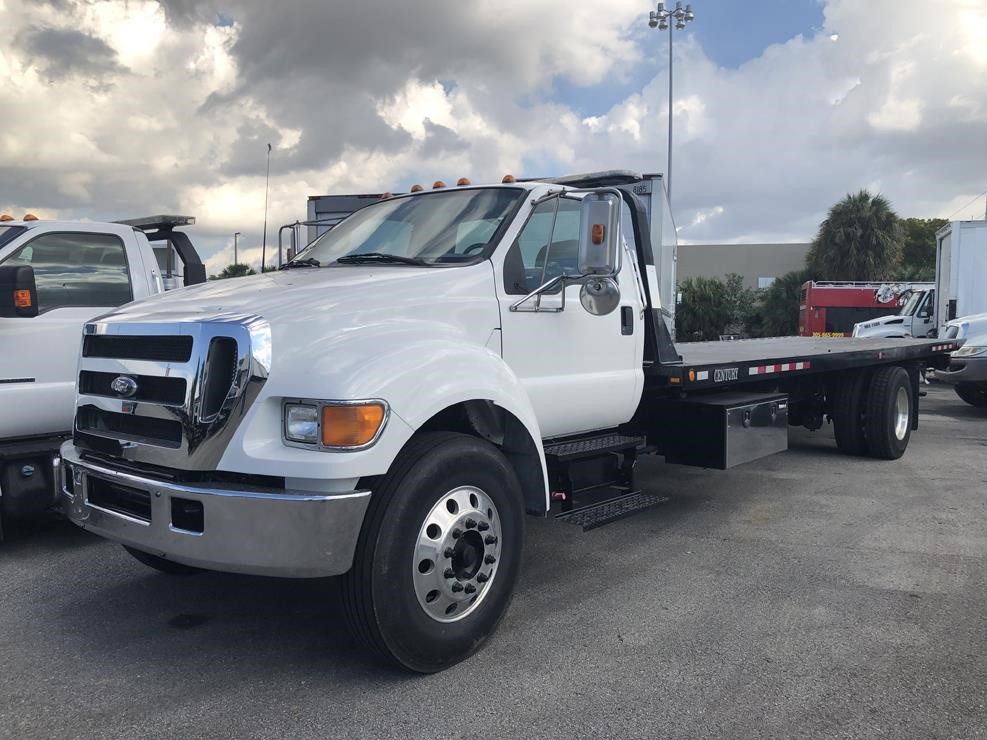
(861, 239)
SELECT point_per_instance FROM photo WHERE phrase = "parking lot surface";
(807, 594)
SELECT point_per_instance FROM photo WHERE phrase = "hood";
(304, 294)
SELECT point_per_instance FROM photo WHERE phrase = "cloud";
(180, 98)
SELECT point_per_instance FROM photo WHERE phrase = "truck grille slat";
(150, 388)
(127, 427)
(124, 347)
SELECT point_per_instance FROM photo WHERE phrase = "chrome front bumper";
(287, 534)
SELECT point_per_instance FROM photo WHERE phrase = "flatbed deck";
(716, 364)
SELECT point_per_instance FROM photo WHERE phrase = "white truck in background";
(960, 289)
(967, 371)
(54, 277)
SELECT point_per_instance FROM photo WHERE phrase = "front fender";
(417, 379)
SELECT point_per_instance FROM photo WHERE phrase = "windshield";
(911, 305)
(7, 233)
(453, 226)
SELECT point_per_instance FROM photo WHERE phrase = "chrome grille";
(169, 394)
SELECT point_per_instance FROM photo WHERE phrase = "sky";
(127, 108)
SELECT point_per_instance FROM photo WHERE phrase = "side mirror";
(599, 221)
(18, 292)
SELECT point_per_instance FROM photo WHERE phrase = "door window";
(74, 269)
(547, 247)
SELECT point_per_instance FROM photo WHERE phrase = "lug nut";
(448, 552)
(470, 523)
(489, 559)
(457, 587)
(483, 526)
(490, 539)
(457, 533)
(449, 573)
(482, 577)
(470, 588)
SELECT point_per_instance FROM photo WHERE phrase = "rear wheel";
(161, 564)
(439, 553)
(888, 420)
(975, 395)
(848, 414)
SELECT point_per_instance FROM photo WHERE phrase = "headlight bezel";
(319, 405)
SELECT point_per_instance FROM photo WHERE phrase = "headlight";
(970, 351)
(301, 423)
(334, 425)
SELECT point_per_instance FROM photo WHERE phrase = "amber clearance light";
(352, 425)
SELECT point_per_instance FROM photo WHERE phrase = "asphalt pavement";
(807, 594)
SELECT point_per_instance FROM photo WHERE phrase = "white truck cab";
(915, 319)
(54, 277)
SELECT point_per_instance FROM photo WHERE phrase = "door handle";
(626, 320)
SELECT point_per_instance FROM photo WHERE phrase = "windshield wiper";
(355, 259)
(307, 262)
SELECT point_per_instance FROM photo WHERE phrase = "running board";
(596, 515)
(587, 447)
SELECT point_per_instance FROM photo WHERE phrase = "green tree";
(779, 309)
(918, 258)
(860, 239)
(704, 311)
(234, 270)
(742, 304)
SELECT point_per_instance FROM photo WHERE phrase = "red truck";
(830, 309)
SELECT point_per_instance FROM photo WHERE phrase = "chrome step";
(577, 449)
(604, 512)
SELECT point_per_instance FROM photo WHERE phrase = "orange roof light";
(416, 188)
(385, 196)
(438, 185)
(6, 217)
(509, 178)
(30, 217)
(463, 181)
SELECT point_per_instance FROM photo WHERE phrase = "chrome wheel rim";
(902, 413)
(457, 554)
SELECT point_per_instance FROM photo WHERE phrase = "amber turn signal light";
(22, 299)
(351, 425)
(597, 233)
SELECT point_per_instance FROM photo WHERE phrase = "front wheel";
(439, 552)
(975, 395)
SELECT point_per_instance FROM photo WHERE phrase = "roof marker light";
(438, 185)
(416, 188)
(30, 217)
(385, 196)
(6, 217)
(509, 178)
(463, 181)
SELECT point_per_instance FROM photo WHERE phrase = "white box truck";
(960, 290)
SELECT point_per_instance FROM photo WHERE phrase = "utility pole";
(659, 18)
(235, 260)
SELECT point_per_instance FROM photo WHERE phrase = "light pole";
(661, 19)
(235, 235)
(267, 187)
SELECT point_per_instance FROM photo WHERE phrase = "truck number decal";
(721, 375)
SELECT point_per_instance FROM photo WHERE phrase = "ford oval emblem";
(124, 385)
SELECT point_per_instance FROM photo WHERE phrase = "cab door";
(582, 372)
(79, 275)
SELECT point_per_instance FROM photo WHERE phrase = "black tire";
(379, 592)
(161, 564)
(848, 414)
(975, 395)
(889, 396)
